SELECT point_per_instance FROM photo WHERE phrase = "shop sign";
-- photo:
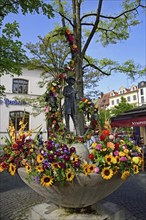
(8, 102)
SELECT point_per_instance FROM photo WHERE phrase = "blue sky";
(134, 48)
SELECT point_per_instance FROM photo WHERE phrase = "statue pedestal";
(99, 211)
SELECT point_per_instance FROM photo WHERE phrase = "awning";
(129, 122)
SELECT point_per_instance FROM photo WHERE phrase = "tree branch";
(113, 17)
(95, 67)
(93, 29)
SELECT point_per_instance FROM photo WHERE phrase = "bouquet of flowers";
(56, 162)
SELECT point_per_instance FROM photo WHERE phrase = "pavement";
(16, 197)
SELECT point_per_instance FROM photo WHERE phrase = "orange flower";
(110, 145)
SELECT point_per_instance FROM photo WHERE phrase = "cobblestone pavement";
(16, 197)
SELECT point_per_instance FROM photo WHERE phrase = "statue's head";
(70, 80)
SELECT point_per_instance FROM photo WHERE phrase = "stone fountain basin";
(82, 192)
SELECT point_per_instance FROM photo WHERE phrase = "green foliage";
(123, 106)
(27, 6)
(12, 55)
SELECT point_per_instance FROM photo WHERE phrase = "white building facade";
(134, 95)
(25, 85)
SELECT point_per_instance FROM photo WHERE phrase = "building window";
(142, 99)
(16, 117)
(112, 102)
(20, 86)
(128, 98)
(134, 97)
(117, 101)
(141, 91)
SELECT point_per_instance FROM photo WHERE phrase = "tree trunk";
(78, 63)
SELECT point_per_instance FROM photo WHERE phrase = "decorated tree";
(79, 29)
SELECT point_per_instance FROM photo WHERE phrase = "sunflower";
(106, 173)
(46, 180)
(39, 158)
(55, 165)
(118, 159)
(12, 169)
(74, 158)
(69, 175)
(109, 159)
(85, 168)
(28, 168)
(135, 168)
(125, 174)
(39, 169)
(91, 168)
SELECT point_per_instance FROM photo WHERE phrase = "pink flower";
(123, 159)
(46, 109)
(98, 147)
(116, 153)
(96, 169)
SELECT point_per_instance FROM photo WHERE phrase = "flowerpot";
(83, 191)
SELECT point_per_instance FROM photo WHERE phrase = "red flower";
(116, 146)
(105, 132)
(4, 165)
(91, 156)
(15, 146)
(102, 137)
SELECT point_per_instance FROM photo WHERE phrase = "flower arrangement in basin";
(60, 172)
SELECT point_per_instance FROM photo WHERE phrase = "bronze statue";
(70, 102)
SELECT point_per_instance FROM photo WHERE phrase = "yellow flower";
(135, 168)
(46, 180)
(122, 142)
(121, 154)
(12, 169)
(104, 149)
(91, 168)
(94, 144)
(126, 151)
(74, 158)
(55, 166)
(1, 169)
(85, 168)
(69, 175)
(118, 159)
(39, 158)
(106, 173)
(39, 169)
(138, 149)
(135, 160)
(109, 159)
(28, 168)
(125, 175)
